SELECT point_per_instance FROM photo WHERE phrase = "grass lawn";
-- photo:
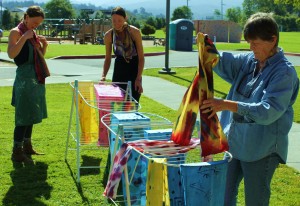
(52, 182)
(287, 42)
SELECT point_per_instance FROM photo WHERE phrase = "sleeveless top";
(124, 47)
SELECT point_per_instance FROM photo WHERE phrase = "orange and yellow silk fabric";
(212, 138)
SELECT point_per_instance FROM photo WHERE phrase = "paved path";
(155, 88)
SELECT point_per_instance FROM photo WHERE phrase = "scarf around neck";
(124, 46)
(40, 65)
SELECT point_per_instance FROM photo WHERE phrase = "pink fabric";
(119, 163)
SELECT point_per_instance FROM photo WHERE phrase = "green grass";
(287, 42)
(52, 182)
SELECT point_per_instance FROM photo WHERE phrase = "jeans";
(257, 179)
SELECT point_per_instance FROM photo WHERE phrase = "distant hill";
(200, 8)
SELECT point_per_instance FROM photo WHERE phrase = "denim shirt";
(264, 117)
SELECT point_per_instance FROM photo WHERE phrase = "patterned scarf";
(124, 47)
(41, 68)
(213, 140)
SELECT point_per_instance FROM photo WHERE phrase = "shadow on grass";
(29, 185)
(78, 185)
(87, 161)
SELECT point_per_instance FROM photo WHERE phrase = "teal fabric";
(204, 183)
(29, 97)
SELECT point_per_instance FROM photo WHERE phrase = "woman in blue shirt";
(257, 114)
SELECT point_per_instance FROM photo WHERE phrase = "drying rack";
(148, 135)
(87, 108)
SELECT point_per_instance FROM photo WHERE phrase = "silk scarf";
(213, 139)
(157, 192)
(124, 46)
(40, 65)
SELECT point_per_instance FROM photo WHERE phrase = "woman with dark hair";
(27, 50)
(257, 114)
(126, 42)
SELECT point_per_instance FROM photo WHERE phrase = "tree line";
(286, 12)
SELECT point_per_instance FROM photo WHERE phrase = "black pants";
(127, 71)
(22, 132)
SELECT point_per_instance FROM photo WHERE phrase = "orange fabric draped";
(212, 138)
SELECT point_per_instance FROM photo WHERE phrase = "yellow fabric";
(213, 140)
(87, 114)
(157, 190)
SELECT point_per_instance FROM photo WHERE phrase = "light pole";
(166, 69)
(1, 13)
(222, 9)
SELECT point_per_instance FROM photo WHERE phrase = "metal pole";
(167, 70)
(222, 9)
(1, 18)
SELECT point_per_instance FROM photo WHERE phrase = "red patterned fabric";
(40, 65)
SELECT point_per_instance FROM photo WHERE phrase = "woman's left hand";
(138, 85)
(212, 106)
(216, 105)
(43, 40)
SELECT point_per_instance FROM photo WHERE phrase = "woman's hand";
(43, 40)
(28, 34)
(138, 85)
(211, 106)
(216, 105)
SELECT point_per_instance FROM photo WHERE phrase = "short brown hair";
(261, 25)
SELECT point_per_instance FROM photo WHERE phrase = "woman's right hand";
(28, 34)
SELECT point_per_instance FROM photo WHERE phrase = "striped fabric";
(213, 140)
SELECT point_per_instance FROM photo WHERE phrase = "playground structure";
(77, 30)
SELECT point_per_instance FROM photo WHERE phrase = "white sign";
(183, 28)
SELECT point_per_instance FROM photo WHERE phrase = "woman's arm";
(140, 51)
(16, 42)
(44, 43)
(108, 50)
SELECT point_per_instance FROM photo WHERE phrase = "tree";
(295, 3)
(7, 22)
(133, 21)
(151, 21)
(183, 12)
(234, 14)
(160, 22)
(148, 29)
(16, 19)
(59, 9)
